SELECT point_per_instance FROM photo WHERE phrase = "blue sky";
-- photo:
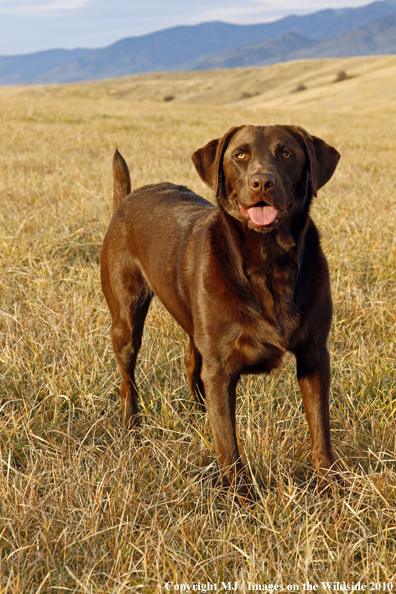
(33, 25)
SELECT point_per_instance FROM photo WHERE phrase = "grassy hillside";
(372, 85)
(88, 508)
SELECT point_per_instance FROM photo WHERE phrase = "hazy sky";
(33, 25)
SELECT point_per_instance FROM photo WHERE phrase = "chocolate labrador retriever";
(246, 278)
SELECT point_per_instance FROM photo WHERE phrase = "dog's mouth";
(262, 214)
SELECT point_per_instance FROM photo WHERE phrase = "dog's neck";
(270, 263)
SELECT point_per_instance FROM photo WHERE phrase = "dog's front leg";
(220, 390)
(313, 372)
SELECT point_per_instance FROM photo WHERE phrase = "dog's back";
(151, 227)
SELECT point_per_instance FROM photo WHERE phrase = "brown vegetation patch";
(342, 75)
(300, 87)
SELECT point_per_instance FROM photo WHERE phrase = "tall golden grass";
(86, 507)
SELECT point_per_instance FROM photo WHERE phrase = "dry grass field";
(88, 508)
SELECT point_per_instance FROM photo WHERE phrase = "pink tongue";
(262, 215)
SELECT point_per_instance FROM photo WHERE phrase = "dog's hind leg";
(193, 362)
(128, 310)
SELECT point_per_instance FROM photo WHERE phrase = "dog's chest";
(274, 316)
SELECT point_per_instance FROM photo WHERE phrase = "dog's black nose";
(262, 182)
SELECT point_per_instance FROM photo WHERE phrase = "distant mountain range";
(376, 38)
(367, 30)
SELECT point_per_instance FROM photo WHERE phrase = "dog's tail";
(122, 179)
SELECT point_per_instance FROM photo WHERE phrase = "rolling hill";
(308, 85)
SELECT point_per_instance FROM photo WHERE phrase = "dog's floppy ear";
(322, 159)
(208, 161)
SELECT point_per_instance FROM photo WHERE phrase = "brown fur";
(245, 294)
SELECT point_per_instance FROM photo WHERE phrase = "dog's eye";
(240, 155)
(286, 154)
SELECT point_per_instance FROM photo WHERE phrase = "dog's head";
(264, 175)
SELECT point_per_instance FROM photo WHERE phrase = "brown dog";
(246, 279)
